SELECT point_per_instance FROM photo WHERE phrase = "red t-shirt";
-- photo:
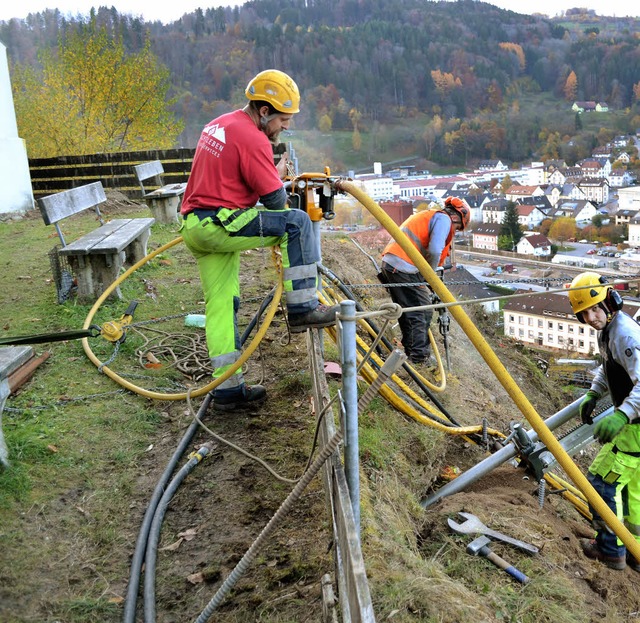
(232, 167)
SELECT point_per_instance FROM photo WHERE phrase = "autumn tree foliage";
(571, 87)
(444, 81)
(92, 97)
(516, 49)
(563, 228)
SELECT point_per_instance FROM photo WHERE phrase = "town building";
(546, 320)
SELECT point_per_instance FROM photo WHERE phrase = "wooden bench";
(164, 202)
(96, 258)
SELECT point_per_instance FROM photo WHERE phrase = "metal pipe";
(498, 457)
(348, 361)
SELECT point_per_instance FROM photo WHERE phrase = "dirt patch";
(506, 500)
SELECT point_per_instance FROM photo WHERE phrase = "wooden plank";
(12, 357)
(84, 244)
(60, 205)
(112, 237)
(148, 169)
(123, 236)
(113, 170)
(168, 190)
(355, 597)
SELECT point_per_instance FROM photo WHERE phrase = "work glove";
(607, 428)
(587, 406)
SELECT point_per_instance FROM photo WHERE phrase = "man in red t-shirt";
(232, 170)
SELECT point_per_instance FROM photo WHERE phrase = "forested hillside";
(470, 80)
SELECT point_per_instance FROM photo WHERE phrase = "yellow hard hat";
(587, 297)
(276, 88)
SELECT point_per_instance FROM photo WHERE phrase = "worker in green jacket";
(615, 472)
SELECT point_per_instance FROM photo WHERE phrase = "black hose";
(254, 321)
(153, 539)
(141, 544)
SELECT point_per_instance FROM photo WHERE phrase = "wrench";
(473, 525)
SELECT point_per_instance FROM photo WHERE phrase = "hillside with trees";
(452, 82)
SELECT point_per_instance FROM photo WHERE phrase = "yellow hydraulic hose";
(264, 325)
(328, 296)
(494, 363)
(569, 493)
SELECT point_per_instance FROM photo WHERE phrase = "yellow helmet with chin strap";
(276, 88)
(587, 297)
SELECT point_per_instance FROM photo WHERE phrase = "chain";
(62, 403)
(544, 282)
(116, 348)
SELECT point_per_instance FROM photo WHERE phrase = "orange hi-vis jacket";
(416, 228)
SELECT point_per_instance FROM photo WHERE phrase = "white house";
(619, 177)
(546, 320)
(534, 244)
(529, 216)
(514, 193)
(376, 186)
(634, 232)
(629, 198)
(581, 211)
(493, 211)
(595, 189)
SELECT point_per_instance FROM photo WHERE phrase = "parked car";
(583, 241)
(591, 252)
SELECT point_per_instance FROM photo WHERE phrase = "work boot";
(633, 563)
(591, 550)
(246, 398)
(321, 316)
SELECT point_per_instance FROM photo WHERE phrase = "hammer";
(479, 547)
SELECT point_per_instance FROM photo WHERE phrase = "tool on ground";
(473, 525)
(480, 547)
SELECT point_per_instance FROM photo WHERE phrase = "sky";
(169, 11)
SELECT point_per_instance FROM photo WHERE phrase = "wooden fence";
(114, 170)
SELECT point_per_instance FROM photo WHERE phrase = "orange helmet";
(276, 88)
(461, 207)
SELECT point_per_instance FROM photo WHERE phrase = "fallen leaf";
(152, 366)
(149, 448)
(165, 262)
(188, 535)
(173, 547)
(151, 357)
(115, 600)
(52, 448)
(195, 578)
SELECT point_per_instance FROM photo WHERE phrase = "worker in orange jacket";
(431, 231)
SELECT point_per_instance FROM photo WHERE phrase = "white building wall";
(377, 187)
(15, 179)
(557, 332)
(629, 198)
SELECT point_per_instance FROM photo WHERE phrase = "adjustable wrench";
(473, 525)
